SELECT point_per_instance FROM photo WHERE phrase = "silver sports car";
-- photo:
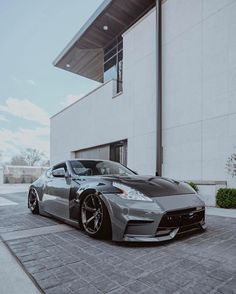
(106, 199)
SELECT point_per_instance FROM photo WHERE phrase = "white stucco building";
(167, 100)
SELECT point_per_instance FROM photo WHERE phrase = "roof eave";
(84, 28)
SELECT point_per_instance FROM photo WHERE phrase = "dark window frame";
(60, 165)
(113, 54)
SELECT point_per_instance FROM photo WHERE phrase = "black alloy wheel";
(33, 201)
(95, 219)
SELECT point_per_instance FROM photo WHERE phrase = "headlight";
(130, 194)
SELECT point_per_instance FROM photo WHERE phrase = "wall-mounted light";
(105, 28)
(68, 65)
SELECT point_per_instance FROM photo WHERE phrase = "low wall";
(21, 174)
(208, 190)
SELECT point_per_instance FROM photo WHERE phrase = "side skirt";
(70, 222)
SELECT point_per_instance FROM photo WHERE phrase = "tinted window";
(61, 165)
(98, 167)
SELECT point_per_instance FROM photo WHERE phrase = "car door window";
(59, 166)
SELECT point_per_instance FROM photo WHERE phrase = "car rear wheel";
(95, 219)
(33, 201)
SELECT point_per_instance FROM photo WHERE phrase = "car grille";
(180, 218)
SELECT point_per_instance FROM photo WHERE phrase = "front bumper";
(141, 221)
(165, 234)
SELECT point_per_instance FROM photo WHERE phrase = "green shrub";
(194, 186)
(226, 198)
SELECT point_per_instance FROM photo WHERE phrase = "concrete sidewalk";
(13, 188)
(221, 212)
(13, 279)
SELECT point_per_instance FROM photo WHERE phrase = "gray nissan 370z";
(106, 199)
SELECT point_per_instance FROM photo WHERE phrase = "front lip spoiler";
(142, 238)
(172, 235)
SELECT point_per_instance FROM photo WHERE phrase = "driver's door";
(57, 192)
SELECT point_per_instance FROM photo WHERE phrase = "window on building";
(113, 63)
(118, 152)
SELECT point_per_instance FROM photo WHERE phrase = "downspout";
(159, 150)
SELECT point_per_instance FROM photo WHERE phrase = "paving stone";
(48, 283)
(36, 269)
(88, 290)
(64, 274)
(119, 277)
(104, 284)
(135, 272)
(201, 285)
(76, 284)
(71, 262)
(137, 287)
(43, 275)
(51, 262)
(156, 290)
(58, 290)
(220, 274)
(226, 290)
(120, 290)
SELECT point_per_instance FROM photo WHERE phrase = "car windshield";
(99, 167)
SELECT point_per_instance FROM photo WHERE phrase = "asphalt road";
(61, 259)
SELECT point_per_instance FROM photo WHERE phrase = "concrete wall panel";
(199, 78)
(100, 118)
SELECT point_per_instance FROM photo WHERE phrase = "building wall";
(140, 89)
(102, 118)
(199, 88)
(94, 120)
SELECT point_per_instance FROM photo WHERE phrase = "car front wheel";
(95, 219)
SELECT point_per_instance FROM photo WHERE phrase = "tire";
(33, 203)
(94, 217)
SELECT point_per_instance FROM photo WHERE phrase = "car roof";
(89, 159)
(80, 159)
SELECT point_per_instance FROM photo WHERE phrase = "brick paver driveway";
(68, 261)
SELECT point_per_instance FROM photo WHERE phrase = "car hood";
(153, 186)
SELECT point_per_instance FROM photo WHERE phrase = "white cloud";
(70, 99)
(26, 109)
(15, 79)
(2, 118)
(13, 141)
(20, 81)
(31, 82)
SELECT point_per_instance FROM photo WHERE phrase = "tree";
(18, 160)
(46, 162)
(29, 157)
(32, 156)
(231, 165)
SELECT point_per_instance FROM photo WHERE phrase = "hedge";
(226, 198)
(194, 186)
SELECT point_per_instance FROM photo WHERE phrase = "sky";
(32, 34)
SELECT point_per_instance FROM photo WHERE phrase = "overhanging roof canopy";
(84, 54)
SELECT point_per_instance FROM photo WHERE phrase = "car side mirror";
(59, 173)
